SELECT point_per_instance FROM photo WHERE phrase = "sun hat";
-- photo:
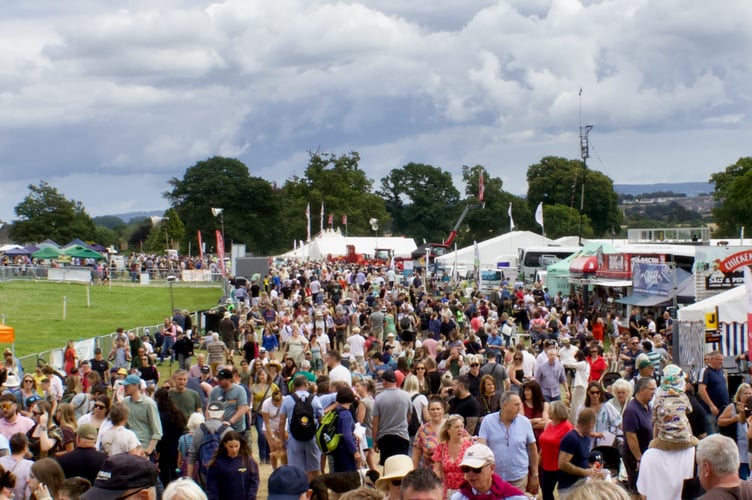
(287, 482)
(12, 381)
(477, 456)
(395, 467)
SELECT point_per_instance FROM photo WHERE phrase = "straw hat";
(395, 467)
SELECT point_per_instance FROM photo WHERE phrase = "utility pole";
(584, 154)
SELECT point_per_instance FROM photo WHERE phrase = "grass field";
(35, 309)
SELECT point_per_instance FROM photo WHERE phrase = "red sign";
(220, 250)
(735, 261)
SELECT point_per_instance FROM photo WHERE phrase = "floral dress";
(453, 475)
(426, 440)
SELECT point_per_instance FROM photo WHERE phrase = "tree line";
(416, 200)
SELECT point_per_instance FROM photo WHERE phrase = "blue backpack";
(206, 450)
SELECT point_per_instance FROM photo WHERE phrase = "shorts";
(303, 454)
(390, 446)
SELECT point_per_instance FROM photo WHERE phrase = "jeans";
(263, 446)
(548, 483)
(167, 346)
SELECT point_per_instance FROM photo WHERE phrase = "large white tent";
(503, 248)
(732, 318)
(332, 242)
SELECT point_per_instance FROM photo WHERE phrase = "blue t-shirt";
(579, 447)
(716, 387)
(638, 419)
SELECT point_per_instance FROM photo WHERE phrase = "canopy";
(731, 304)
(496, 251)
(22, 251)
(7, 334)
(684, 293)
(82, 252)
(46, 253)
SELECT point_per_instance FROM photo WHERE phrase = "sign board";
(651, 278)
(720, 268)
(712, 337)
(711, 320)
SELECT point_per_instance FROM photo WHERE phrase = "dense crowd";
(328, 372)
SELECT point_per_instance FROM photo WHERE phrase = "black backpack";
(406, 324)
(414, 424)
(303, 421)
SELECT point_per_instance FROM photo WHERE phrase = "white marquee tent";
(732, 318)
(501, 248)
(332, 242)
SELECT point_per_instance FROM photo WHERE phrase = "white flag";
(216, 211)
(748, 287)
(511, 221)
(539, 216)
(322, 216)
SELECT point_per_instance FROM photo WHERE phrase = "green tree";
(168, 233)
(558, 181)
(421, 200)
(559, 219)
(251, 206)
(46, 213)
(344, 189)
(733, 194)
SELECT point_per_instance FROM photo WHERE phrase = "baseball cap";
(262, 349)
(205, 369)
(132, 380)
(119, 474)
(477, 456)
(86, 431)
(287, 482)
(642, 361)
(224, 373)
(389, 376)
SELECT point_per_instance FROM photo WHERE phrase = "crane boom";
(456, 228)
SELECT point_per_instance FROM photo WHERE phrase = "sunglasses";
(474, 364)
(396, 482)
(595, 392)
(475, 470)
(101, 407)
(6, 406)
(37, 413)
(29, 381)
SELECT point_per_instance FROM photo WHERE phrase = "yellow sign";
(711, 321)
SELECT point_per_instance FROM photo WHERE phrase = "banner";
(220, 250)
(200, 245)
(321, 219)
(344, 219)
(481, 188)
(650, 278)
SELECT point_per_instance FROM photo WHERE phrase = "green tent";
(46, 253)
(81, 252)
(557, 274)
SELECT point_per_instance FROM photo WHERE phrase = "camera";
(747, 412)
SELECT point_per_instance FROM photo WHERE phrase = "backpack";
(302, 422)
(327, 433)
(414, 424)
(405, 323)
(206, 450)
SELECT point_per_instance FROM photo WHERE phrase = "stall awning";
(611, 283)
(642, 300)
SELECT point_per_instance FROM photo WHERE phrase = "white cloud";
(151, 89)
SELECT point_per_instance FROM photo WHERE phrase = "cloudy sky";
(108, 100)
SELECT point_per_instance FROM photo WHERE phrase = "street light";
(219, 212)
(375, 226)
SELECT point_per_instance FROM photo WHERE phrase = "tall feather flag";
(539, 217)
(220, 250)
(321, 219)
(481, 187)
(748, 287)
(331, 220)
(308, 221)
(511, 220)
(200, 245)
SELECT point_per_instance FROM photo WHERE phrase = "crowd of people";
(439, 393)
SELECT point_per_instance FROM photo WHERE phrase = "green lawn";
(35, 309)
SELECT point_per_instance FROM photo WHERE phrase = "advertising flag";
(331, 219)
(321, 219)
(220, 250)
(200, 245)
(539, 216)
(308, 221)
(344, 219)
(511, 221)
(481, 188)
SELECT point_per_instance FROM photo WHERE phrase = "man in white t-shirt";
(336, 370)
(357, 347)
(528, 364)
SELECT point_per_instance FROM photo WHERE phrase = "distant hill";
(688, 188)
(127, 217)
